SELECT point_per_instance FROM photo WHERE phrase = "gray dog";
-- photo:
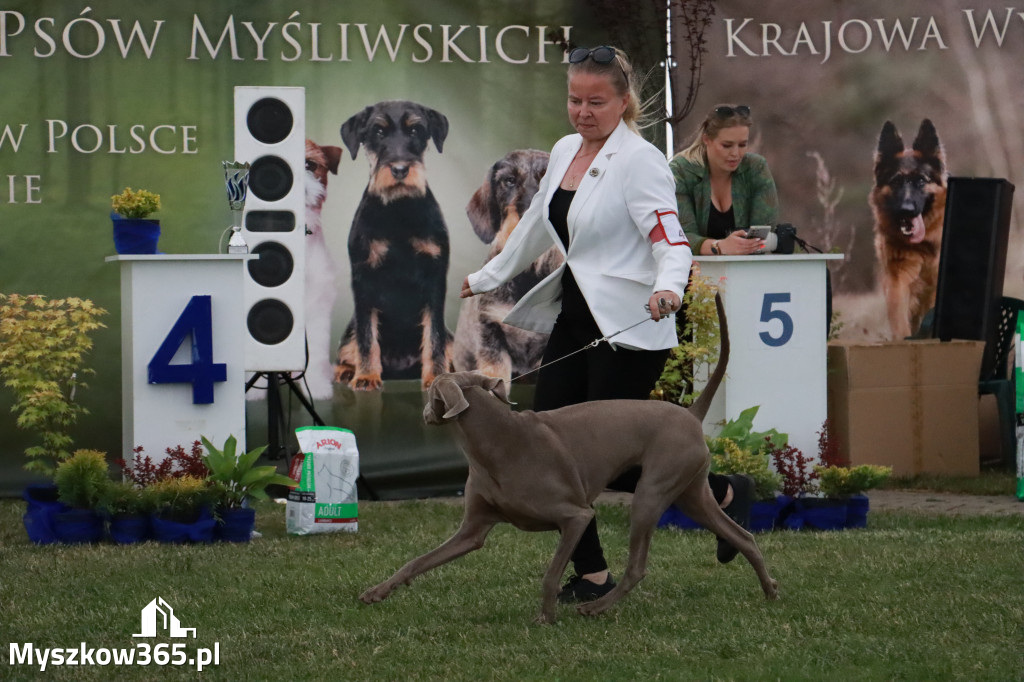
(543, 470)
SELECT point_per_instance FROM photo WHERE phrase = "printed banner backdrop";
(111, 94)
(823, 78)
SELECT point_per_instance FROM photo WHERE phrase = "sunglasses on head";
(727, 111)
(601, 55)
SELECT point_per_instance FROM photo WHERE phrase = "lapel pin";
(594, 172)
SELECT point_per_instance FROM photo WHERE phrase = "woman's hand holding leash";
(661, 304)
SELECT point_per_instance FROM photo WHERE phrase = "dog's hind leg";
(703, 509)
(571, 532)
(470, 536)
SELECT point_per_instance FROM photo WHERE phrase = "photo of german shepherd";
(909, 202)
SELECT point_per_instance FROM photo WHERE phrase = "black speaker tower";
(972, 264)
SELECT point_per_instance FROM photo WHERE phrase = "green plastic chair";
(1000, 380)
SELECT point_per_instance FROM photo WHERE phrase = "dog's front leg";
(369, 368)
(571, 532)
(435, 346)
(469, 537)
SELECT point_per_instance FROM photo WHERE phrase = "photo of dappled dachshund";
(398, 249)
(909, 204)
(542, 471)
(482, 341)
(321, 272)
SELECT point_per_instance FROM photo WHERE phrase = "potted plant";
(134, 231)
(126, 510)
(850, 484)
(81, 480)
(181, 509)
(236, 479)
(801, 502)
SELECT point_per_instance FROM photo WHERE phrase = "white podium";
(775, 307)
(182, 350)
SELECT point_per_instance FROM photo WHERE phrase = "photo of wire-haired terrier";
(482, 341)
(398, 249)
(909, 204)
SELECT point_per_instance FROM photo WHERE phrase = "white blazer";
(625, 193)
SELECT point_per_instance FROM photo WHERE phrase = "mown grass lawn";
(910, 598)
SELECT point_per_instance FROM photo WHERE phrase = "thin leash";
(593, 344)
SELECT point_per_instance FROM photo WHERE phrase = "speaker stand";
(276, 418)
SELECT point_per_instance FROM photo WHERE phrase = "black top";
(574, 306)
(720, 224)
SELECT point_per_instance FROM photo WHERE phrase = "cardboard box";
(911, 405)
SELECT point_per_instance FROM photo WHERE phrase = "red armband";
(674, 235)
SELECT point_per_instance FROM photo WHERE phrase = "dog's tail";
(700, 406)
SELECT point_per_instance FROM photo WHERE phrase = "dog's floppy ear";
(451, 396)
(497, 387)
(352, 130)
(890, 146)
(438, 127)
(927, 144)
(333, 155)
(481, 210)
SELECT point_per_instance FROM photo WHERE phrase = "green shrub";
(699, 341)
(846, 481)
(82, 478)
(42, 344)
(135, 204)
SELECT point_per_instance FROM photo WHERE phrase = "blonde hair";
(714, 123)
(620, 74)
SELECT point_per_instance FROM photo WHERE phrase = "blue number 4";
(195, 321)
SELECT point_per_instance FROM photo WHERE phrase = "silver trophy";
(236, 181)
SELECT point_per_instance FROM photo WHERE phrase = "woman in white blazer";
(608, 203)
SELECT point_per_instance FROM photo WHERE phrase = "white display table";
(775, 307)
(182, 346)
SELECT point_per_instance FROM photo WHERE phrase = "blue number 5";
(768, 314)
(196, 320)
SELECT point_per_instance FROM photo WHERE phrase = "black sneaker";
(738, 510)
(579, 589)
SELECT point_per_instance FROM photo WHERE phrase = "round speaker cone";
(270, 321)
(269, 120)
(270, 178)
(274, 266)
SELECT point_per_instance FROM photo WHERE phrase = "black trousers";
(599, 373)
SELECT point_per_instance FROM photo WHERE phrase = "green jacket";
(754, 198)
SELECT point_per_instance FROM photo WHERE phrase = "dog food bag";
(325, 501)
(1018, 376)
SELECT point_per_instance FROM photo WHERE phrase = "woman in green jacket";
(721, 189)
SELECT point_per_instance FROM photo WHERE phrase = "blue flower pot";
(129, 529)
(763, 516)
(38, 518)
(78, 526)
(135, 235)
(857, 511)
(236, 525)
(176, 532)
(827, 513)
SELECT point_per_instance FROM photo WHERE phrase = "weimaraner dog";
(543, 470)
